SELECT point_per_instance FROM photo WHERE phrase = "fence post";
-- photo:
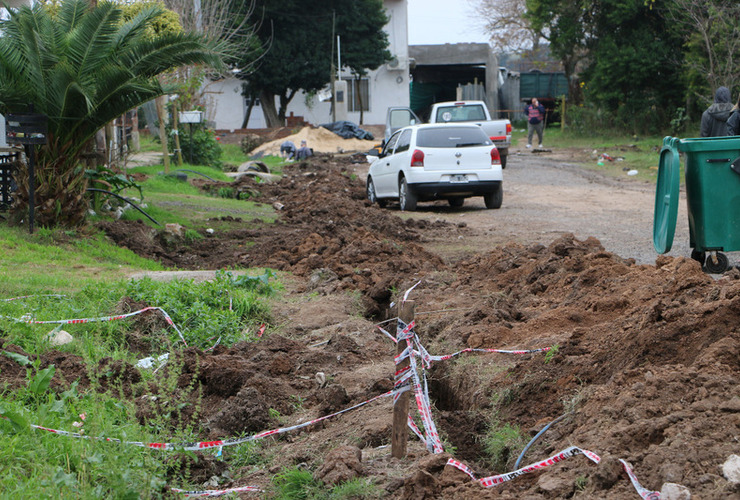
(399, 435)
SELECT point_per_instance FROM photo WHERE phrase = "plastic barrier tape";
(103, 319)
(645, 493)
(204, 445)
(214, 493)
(491, 481)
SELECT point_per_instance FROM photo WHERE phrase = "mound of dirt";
(325, 224)
(320, 140)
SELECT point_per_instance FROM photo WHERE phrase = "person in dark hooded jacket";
(714, 119)
(733, 122)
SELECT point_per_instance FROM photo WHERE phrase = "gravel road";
(545, 197)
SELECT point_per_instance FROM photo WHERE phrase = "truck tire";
(503, 160)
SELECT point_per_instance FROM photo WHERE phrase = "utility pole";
(333, 76)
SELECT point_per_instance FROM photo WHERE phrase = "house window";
(358, 91)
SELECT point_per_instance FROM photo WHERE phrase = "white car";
(436, 161)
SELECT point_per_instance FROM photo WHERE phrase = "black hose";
(127, 201)
(194, 172)
(519, 460)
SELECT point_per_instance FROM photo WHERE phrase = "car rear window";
(467, 113)
(451, 137)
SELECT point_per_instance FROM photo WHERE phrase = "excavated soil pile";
(648, 363)
(326, 229)
(646, 367)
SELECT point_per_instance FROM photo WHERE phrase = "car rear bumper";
(431, 190)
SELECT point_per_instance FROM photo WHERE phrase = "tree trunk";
(268, 108)
(163, 133)
(59, 194)
(284, 101)
(245, 123)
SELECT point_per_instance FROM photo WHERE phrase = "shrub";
(204, 149)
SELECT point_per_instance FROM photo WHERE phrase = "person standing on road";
(714, 119)
(535, 113)
(733, 122)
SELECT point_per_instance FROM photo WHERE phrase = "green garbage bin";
(712, 169)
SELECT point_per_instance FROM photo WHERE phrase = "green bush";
(204, 148)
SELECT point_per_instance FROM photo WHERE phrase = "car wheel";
(456, 202)
(495, 198)
(371, 196)
(406, 197)
(503, 160)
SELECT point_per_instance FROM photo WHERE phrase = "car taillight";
(508, 129)
(495, 157)
(417, 159)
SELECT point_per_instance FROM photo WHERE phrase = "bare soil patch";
(647, 366)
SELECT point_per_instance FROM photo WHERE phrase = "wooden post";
(159, 101)
(399, 435)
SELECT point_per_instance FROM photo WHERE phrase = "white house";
(384, 87)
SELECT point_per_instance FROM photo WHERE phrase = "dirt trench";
(646, 364)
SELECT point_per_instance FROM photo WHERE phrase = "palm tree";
(83, 66)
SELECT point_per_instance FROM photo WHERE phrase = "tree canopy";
(82, 67)
(641, 62)
(298, 46)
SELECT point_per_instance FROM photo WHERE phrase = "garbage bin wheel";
(721, 266)
(698, 256)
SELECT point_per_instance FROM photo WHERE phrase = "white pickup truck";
(499, 131)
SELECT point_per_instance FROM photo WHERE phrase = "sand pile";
(320, 140)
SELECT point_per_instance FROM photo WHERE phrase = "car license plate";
(458, 178)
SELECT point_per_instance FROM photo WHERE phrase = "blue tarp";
(348, 130)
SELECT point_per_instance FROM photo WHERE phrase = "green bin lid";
(666, 197)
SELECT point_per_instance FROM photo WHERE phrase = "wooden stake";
(399, 436)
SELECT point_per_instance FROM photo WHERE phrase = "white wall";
(387, 87)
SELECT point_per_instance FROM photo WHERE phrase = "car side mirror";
(372, 158)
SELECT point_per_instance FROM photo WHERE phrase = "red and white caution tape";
(406, 332)
(30, 296)
(491, 481)
(204, 445)
(214, 493)
(645, 493)
(406, 295)
(103, 319)
(261, 331)
(500, 351)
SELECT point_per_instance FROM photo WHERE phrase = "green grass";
(61, 262)
(501, 443)
(90, 274)
(299, 484)
(170, 200)
(637, 153)
(232, 154)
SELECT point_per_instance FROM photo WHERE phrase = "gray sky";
(443, 21)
